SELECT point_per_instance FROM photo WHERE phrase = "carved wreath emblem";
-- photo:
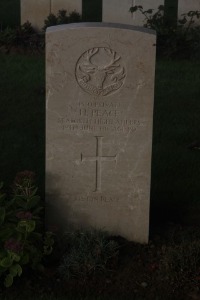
(100, 72)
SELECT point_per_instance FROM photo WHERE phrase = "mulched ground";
(139, 272)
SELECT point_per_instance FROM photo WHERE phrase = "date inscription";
(93, 117)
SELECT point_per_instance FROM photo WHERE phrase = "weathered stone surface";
(35, 11)
(69, 5)
(117, 11)
(100, 91)
(184, 6)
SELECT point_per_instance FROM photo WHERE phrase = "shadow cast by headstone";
(60, 216)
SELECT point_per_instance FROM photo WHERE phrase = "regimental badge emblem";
(100, 71)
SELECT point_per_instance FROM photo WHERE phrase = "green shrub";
(87, 252)
(22, 237)
(153, 20)
(181, 41)
(74, 17)
(62, 18)
(23, 36)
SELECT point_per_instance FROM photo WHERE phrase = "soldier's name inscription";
(98, 117)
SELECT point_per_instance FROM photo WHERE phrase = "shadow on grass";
(175, 187)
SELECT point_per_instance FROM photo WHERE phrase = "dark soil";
(167, 268)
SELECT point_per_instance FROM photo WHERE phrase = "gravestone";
(35, 11)
(117, 11)
(184, 6)
(99, 115)
(68, 5)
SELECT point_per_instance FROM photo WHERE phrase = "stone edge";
(99, 25)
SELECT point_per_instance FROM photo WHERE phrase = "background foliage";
(9, 13)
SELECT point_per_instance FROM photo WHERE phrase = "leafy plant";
(62, 18)
(51, 20)
(180, 41)
(74, 17)
(22, 237)
(87, 252)
(152, 20)
(23, 36)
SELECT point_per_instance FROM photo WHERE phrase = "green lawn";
(22, 116)
(175, 168)
(175, 193)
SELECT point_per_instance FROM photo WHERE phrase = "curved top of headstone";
(100, 25)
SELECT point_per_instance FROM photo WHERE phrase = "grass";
(175, 167)
(22, 116)
(175, 185)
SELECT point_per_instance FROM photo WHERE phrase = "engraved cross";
(99, 158)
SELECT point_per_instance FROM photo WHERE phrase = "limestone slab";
(99, 116)
(69, 5)
(117, 11)
(35, 11)
(184, 6)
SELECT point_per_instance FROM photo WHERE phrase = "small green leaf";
(34, 191)
(27, 225)
(8, 280)
(48, 243)
(3, 253)
(15, 257)
(183, 21)
(133, 9)
(6, 262)
(33, 202)
(48, 250)
(24, 259)
(161, 7)
(15, 270)
(21, 203)
(149, 11)
(9, 203)
(5, 233)
(31, 226)
(21, 227)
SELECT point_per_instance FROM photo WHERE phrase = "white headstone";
(69, 5)
(100, 92)
(184, 6)
(35, 11)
